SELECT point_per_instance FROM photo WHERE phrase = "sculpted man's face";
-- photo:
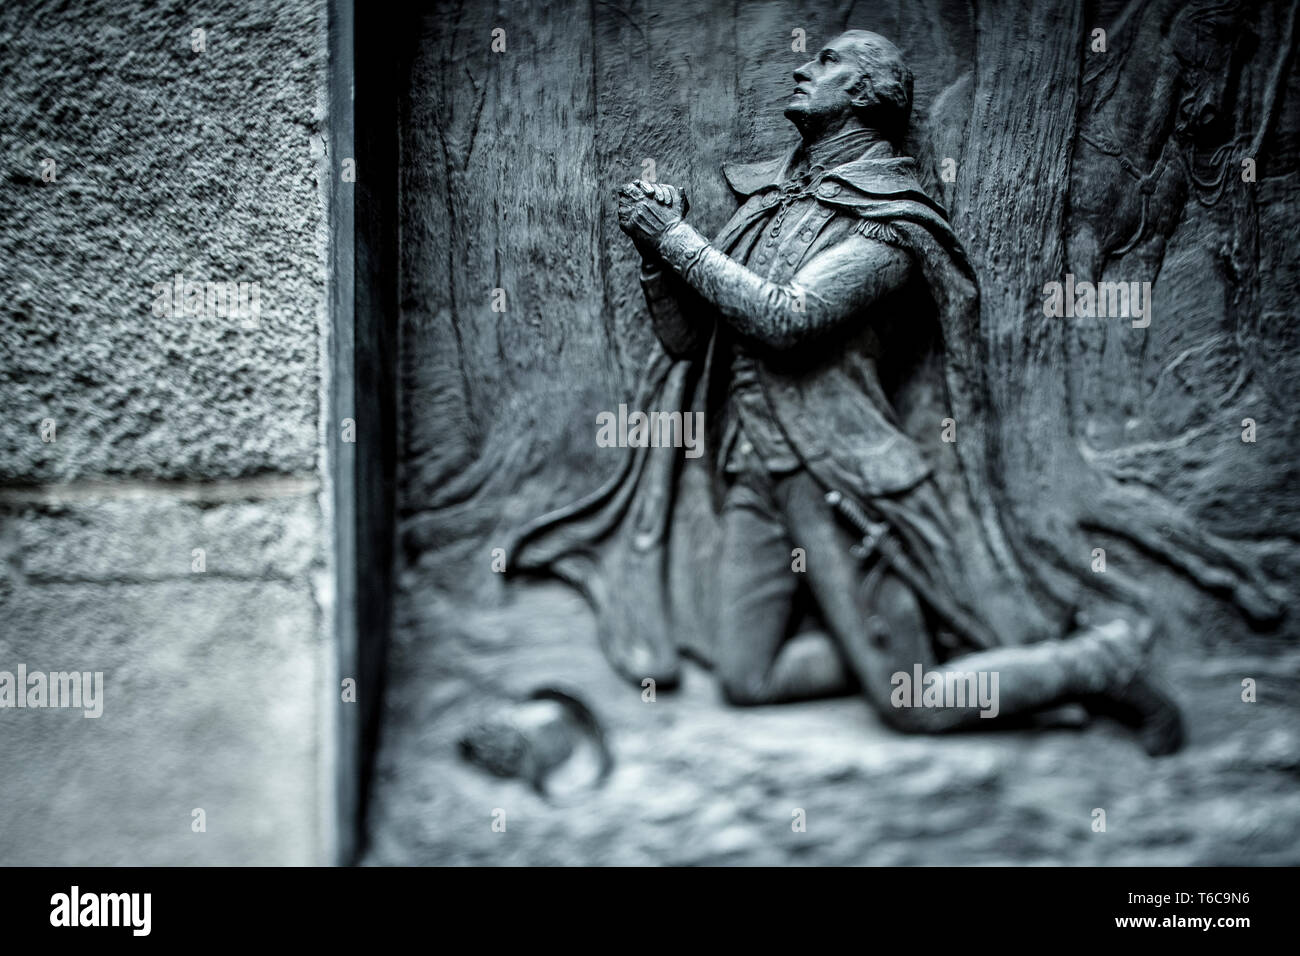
(824, 85)
(824, 95)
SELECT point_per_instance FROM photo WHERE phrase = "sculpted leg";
(756, 664)
(1104, 668)
(884, 632)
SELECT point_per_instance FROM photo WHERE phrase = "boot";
(1126, 691)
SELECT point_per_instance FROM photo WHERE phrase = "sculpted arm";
(829, 289)
(832, 287)
(674, 309)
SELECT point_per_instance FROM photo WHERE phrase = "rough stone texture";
(1105, 436)
(211, 700)
(153, 539)
(173, 434)
(168, 161)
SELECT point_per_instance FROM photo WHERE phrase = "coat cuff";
(680, 245)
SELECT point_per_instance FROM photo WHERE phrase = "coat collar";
(875, 174)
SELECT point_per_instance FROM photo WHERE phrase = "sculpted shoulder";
(873, 180)
(862, 182)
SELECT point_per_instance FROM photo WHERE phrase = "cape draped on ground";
(614, 545)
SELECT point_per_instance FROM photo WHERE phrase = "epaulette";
(881, 231)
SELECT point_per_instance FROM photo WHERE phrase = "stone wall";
(171, 432)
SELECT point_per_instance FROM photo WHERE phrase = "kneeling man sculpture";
(791, 330)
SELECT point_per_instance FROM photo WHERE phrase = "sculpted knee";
(914, 720)
(743, 692)
(904, 720)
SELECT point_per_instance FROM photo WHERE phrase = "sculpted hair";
(885, 74)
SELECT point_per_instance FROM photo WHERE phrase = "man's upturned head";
(859, 78)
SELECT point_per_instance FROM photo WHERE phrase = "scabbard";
(878, 537)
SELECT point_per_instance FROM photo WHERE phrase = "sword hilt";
(872, 531)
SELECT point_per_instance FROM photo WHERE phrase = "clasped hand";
(647, 210)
